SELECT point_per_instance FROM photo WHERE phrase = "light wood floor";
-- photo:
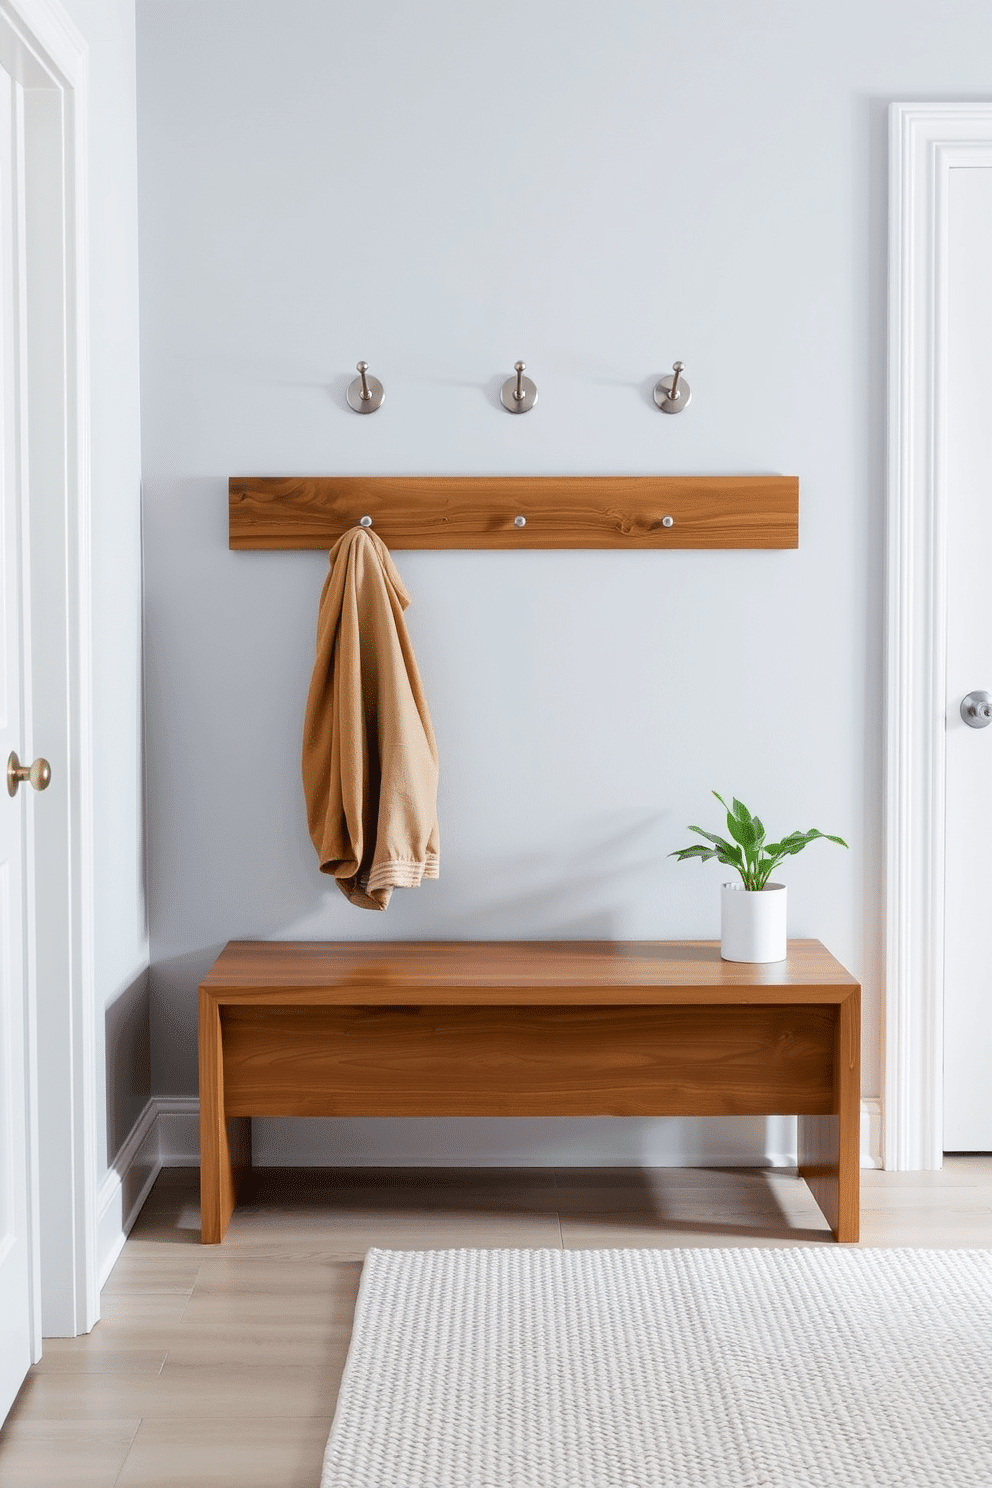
(218, 1367)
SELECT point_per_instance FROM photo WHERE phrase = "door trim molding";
(43, 50)
(926, 141)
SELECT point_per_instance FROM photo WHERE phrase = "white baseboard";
(167, 1135)
(517, 1142)
(572, 1142)
(179, 1130)
(125, 1187)
(177, 1122)
(871, 1132)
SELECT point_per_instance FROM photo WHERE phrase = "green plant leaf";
(741, 831)
(796, 841)
(745, 828)
(720, 842)
(740, 811)
(704, 854)
(725, 851)
(752, 857)
(814, 832)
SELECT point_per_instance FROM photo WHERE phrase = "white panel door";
(15, 1258)
(968, 914)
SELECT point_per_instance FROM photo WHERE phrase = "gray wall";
(442, 189)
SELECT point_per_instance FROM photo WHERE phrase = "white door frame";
(44, 53)
(926, 141)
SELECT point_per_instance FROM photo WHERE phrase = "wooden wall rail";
(625, 512)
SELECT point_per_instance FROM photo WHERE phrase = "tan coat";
(369, 756)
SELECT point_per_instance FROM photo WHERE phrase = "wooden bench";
(529, 1028)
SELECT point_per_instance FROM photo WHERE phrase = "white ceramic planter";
(752, 923)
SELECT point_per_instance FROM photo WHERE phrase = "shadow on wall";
(128, 1061)
(575, 892)
(578, 891)
(579, 885)
(574, 889)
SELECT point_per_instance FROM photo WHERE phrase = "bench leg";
(830, 1146)
(225, 1145)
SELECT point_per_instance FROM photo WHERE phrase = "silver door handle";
(976, 709)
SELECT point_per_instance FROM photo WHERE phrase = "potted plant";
(752, 912)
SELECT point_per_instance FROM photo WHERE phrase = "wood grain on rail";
(624, 512)
(512, 1061)
(523, 972)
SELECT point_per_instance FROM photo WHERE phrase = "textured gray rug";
(802, 1368)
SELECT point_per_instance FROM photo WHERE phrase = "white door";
(968, 921)
(16, 1304)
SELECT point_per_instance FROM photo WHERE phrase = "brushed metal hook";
(672, 394)
(518, 394)
(365, 521)
(365, 394)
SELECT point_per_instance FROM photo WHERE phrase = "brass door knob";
(39, 774)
